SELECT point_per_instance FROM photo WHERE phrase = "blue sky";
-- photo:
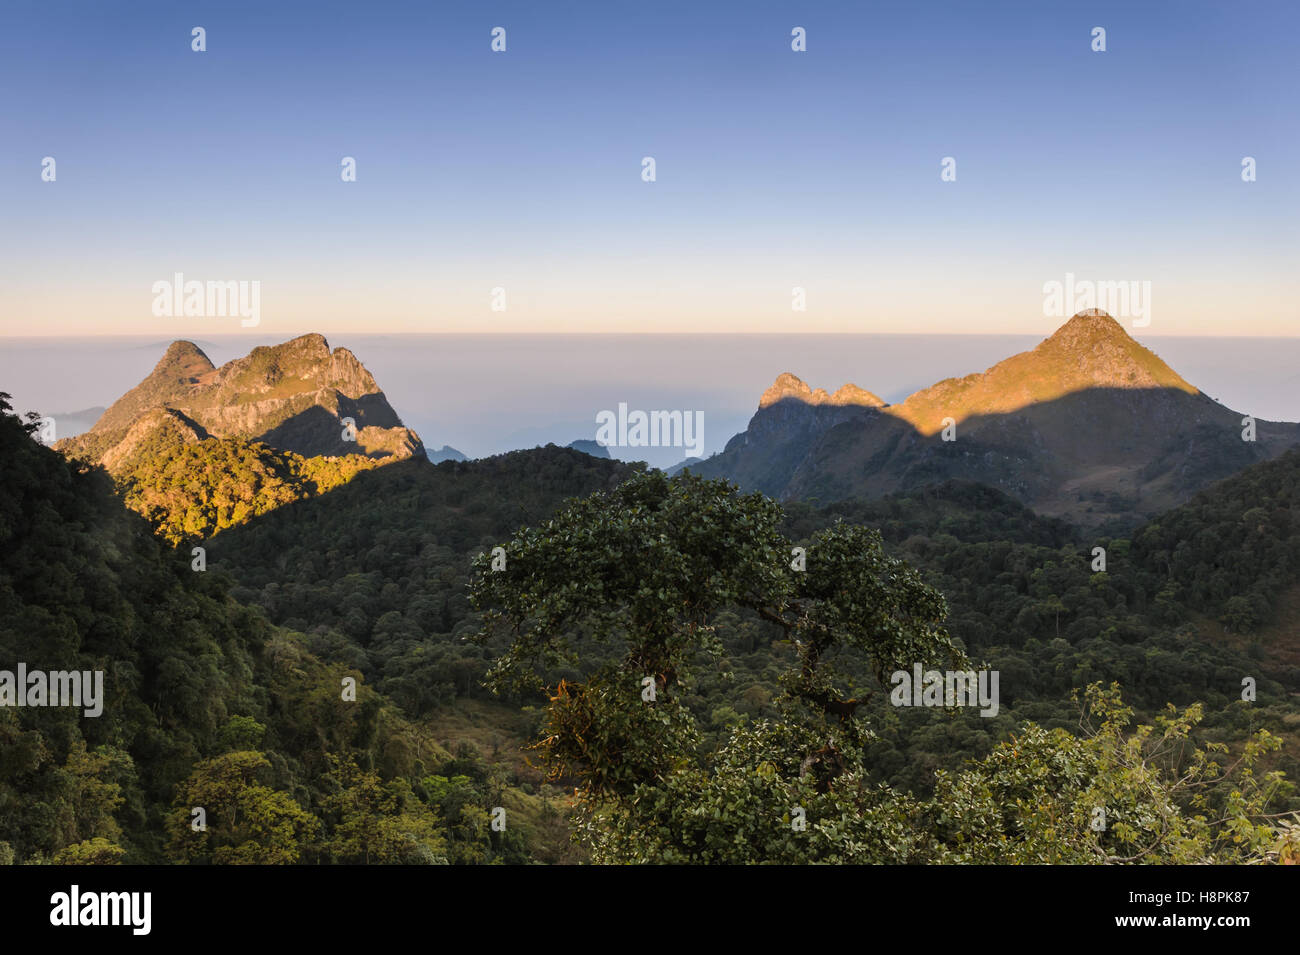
(522, 169)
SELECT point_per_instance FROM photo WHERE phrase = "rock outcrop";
(297, 396)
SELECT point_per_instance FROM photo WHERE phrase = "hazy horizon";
(479, 393)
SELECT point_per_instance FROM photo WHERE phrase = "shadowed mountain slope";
(293, 397)
(197, 449)
(1089, 425)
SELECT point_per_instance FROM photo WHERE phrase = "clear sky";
(522, 169)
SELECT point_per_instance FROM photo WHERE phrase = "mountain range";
(1089, 425)
(445, 453)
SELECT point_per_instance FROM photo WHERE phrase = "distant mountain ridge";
(1089, 425)
(69, 424)
(587, 446)
(446, 453)
(292, 397)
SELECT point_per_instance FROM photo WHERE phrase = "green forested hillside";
(191, 491)
(206, 705)
(375, 572)
(1023, 595)
(1233, 550)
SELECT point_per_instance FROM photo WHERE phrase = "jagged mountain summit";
(292, 397)
(1089, 425)
(1090, 351)
(788, 386)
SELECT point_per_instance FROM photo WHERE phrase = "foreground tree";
(643, 568)
(1114, 795)
(620, 588)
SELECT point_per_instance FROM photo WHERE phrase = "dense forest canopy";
(645, 567)
(376, 571)
(223, 686)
